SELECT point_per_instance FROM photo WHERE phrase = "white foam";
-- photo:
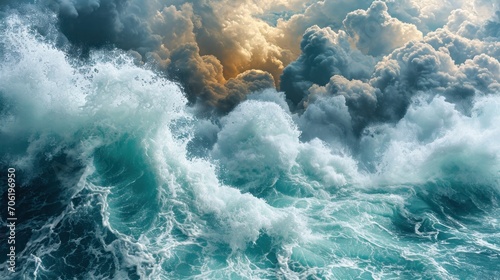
(436, 142)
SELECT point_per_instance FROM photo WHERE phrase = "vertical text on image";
(11, 219)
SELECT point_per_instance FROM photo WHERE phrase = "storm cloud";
(343, 81)
(221, 51)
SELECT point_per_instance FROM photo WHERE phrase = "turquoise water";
(121, 180)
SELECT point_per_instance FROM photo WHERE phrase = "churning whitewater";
(122, 179)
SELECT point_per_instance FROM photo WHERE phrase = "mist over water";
(386, 168)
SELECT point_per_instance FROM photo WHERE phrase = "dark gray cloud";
(359, 98)
(93, 23)
(324, 53)
(338, 103)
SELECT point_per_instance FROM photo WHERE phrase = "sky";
(373, 53)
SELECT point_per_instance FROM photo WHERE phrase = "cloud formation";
(324, 53)
(376, 33)
(207, 45)
(343, 88)
(210, 40)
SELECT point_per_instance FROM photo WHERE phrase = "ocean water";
(119, 179)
